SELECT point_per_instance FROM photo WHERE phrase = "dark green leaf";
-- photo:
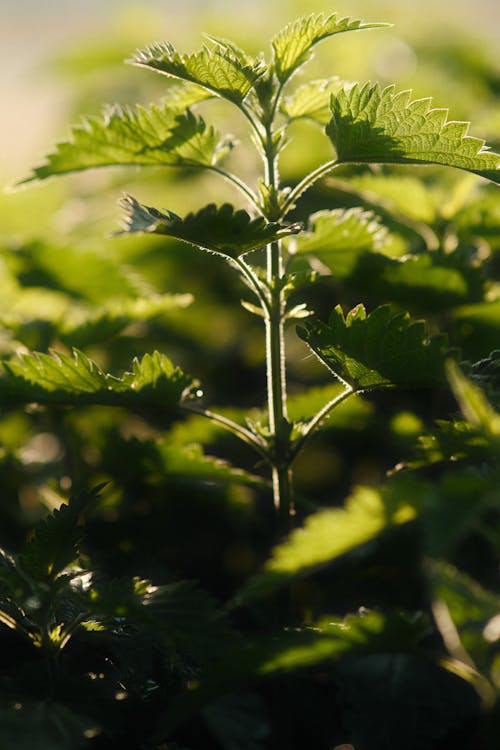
(54, 544)
(379, 350)
(216, 229)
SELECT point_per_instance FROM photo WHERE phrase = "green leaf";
(340, 236)
(74, 380)
(486, 374)
(328, 534)
(292, 46)
(253, 659)
(474, 405)
(42, 725)
(423, 283)
(219, 230)
(379, 350)
(474, 609)
(84, 327)
(311, 101)
(221, 70)
(373, 126)
(451, 441)
(157, 136)
(54, 544)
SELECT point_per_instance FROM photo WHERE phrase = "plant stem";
(241, 432)
(307, 182)
(318, 418)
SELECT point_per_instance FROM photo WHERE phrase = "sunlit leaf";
(379, 350)
(328, 534)
(292, 46)
(311, 101)
(220, 230)
(157, 136)
(220, 70)
(370, 125)
(65, 380)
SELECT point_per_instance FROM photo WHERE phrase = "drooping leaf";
(292, 46)
(379, 350)
(311, 101)
(216, 229)
(339, 236)
(74, 380)
(221, 70)
(157, 136)
(370, 125)
(328, 534)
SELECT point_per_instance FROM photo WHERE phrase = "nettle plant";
(49, 593)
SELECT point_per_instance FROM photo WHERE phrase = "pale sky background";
(30, 29)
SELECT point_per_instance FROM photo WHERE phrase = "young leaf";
(339, 236)
(64, 380)
(219, 230)
(328, 534)
(221, 71)
(379, 350)
(383, 127)
(292, 46)
(311, 101)
(157, 136)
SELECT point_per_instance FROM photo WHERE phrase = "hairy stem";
(316, 421)
(308, 182)
(241, 432)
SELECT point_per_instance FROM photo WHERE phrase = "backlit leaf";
(292, 46)
(156, 136)
(220, 70)
(379, 350)
(311, 101)
(61, 379)
(339, 236)
(370, 125)
(328, 534)
(220, 229)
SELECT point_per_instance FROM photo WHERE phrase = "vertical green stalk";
(276, 372)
